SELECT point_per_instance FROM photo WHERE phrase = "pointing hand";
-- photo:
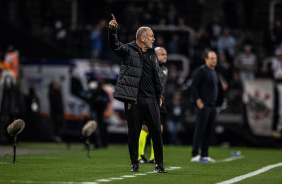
(113, 23)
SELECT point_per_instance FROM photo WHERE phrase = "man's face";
(149, 39)
(211, 61)
(162, 55)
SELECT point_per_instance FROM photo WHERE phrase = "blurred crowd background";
(246, 35)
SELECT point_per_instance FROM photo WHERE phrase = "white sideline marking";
(115, 178)
(239, 178)
(172, 168)
(230, 159)
(128, 176)
(48, 182)
(97, 181)
(140, 174)
(104, 180)
(45, 158)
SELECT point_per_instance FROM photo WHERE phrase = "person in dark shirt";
(162, 58)
(56, 110)
(207, 93)
(98, 98)
(139, 87)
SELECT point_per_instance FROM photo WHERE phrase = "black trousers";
(145, 110)
(205, 121)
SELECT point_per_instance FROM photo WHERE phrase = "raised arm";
(119, 48)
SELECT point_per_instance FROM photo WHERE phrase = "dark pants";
(146, 109)
(205, 121)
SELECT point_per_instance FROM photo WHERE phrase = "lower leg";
(142, 143)
(152, 157)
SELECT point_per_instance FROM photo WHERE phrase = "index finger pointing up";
(113, 17)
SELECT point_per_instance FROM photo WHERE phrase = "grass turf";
(73, 166)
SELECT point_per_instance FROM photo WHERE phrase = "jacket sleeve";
(196, 82)
(220, 97)
(119, 48)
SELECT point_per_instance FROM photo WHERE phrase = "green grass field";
(112, 165)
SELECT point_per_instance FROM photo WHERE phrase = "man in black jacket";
(207, 93)
(139, 87)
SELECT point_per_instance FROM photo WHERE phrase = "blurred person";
(7, 99)
(224, 69)
(276, 67)
(56, 110)
(98, 99)
(174, 45)
(175, 109)
(12, 59)
(246, 63)
(162, 59)
(139, 87)
(226, 44)
(207, 93)
(96, 37)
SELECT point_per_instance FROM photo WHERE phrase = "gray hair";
(141, 31)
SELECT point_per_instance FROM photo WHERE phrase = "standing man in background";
(56, 109)
(139, 87)
(207, 93)
(162, 58)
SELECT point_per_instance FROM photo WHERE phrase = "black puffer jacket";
(130, 73)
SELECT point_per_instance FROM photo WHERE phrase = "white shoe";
(207, 159)
(195, 158)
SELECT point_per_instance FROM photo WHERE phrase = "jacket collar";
(134, 44)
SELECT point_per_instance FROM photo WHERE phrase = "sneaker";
(195, 158)
(159, 169)
(206, 159)
(142, 160)
(152, 161)
(134, 168)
